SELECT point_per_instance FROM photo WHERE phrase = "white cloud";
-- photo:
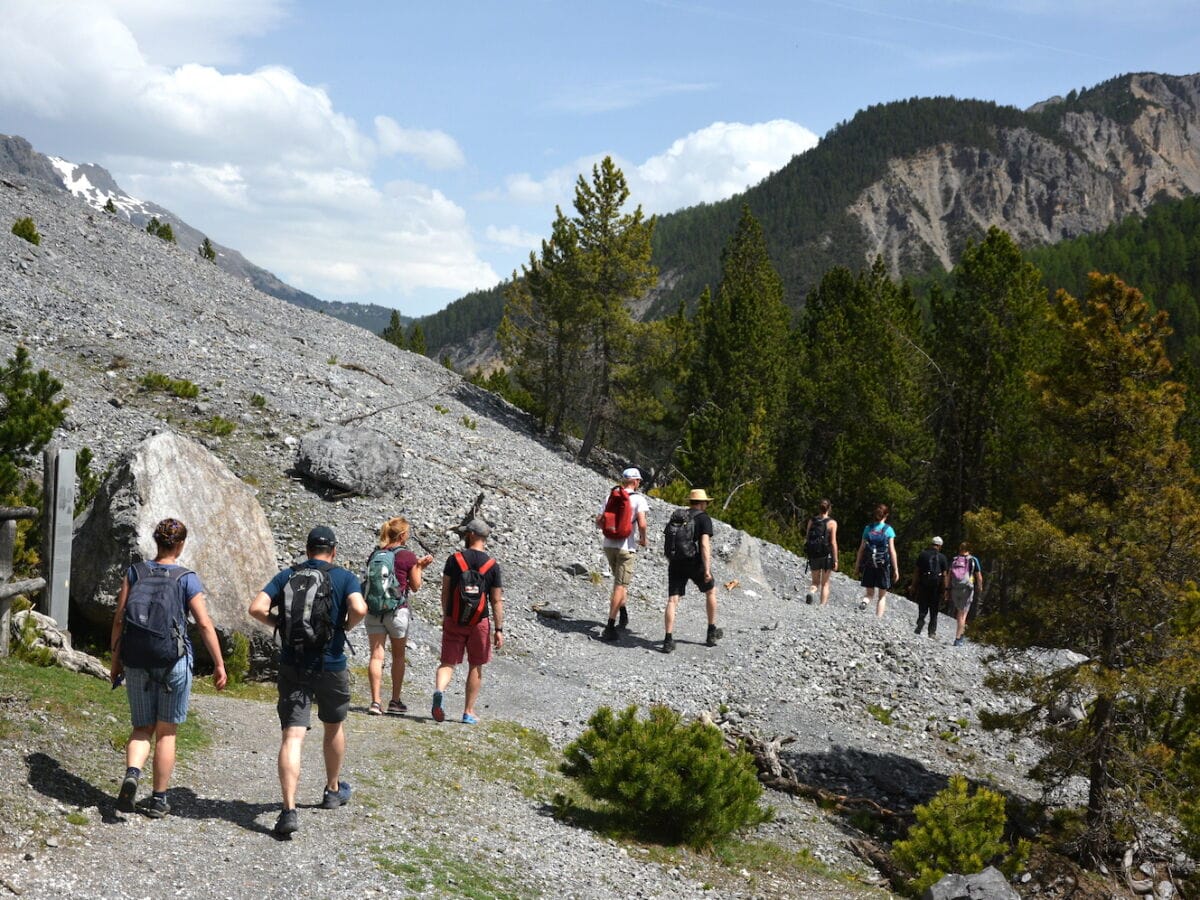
(259, 160)
(434, 148)
(707, 165)
(513, 236)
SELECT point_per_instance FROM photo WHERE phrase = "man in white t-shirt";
(621, 552)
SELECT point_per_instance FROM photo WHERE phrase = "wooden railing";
(8, 535)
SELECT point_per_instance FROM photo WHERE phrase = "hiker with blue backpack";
(877, 561)
(152, 654)
(966, 586)
(311, 606)
(393, 572)
(472, 618)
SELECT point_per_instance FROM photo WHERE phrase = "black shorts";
(679, 575)
(298, 688)
(820, 563)
(877, 578)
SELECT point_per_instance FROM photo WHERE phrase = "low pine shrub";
(26, 230)
(668, 781)
(957, 832)
(237, 662)
(180, 387)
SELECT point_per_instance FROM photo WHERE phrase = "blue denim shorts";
(159, 695)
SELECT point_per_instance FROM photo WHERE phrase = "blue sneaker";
(439, 714)
(469, 719)
(334, 799)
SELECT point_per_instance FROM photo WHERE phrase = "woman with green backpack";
(393, 572)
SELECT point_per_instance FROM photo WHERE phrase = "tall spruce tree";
(567, 331)
(858, 403)
(394, 332)
(1103, 557)
(987, 331)
(416, 338)
(739, 384)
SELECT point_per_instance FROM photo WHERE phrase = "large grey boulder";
(230, 544)
(356, 460)
(990, 884)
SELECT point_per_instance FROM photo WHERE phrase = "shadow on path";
(48, 777)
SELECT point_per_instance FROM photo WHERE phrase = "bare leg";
(474, 683)
(398, 664)
(441, 679)
(164, 754)
(137, 751)
(669, 615)
(334, 748)
(289, 764)
(823, 579)
(619, 592)
(375, 665)
(960, 616)
(710, 605)
(881, 604)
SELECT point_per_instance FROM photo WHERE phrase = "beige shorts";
(394, 624)
(621, 562)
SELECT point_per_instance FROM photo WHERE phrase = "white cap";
(937, 541)
(631, 473)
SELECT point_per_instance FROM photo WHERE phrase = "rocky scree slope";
(100, 305)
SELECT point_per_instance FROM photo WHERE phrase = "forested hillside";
(1158, 253)
(1013, 168)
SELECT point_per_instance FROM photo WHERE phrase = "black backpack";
(154, 634)
(816, 542)
(931, 568)
(304, 620)
(680, 542)
(470, 598)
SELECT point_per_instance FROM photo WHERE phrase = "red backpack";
(469, 601)
(618, 515)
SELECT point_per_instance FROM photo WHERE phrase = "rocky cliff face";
(1093, 172)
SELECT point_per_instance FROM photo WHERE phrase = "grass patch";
(178, 387)
(768, 856)
(258, 401)
(77, 703)
(77, 818)
(264, 691)
(218, 425)
(513, 755)
(882, 714)
(422, 869)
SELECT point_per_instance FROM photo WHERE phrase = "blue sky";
(404, 153)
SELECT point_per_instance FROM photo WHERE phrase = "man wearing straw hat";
(688, 545)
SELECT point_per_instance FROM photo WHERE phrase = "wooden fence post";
(8, 537)
(58, 518)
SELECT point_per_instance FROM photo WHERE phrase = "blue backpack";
(878, 556)
(154, 634)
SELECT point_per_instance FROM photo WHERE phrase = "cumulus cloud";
(707, 165)
(260, 160)
(434, 148)
(513, 236)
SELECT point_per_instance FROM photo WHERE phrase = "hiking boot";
(154, 807)
(809, 597)
(933, 632)
(334, 799)
(920, 628)
(958, 641)
(397, 707)
(439, 714)
(609, 633)
(128, 792)
(668, 644)
(622, 620)
(862, 604)
(469, 719)
(287, 823)
(714, 635)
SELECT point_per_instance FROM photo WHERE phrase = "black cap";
(321, 536)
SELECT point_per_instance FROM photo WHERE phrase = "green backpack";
(386, 588)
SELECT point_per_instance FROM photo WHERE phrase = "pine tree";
(987, 332)
(858, 403)
(110, 207)
(29, 413)
(394, 332)
(1103, 557)
(738, 390)
(207, 251)
(416, 339)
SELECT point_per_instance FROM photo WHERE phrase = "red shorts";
(475, 639)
